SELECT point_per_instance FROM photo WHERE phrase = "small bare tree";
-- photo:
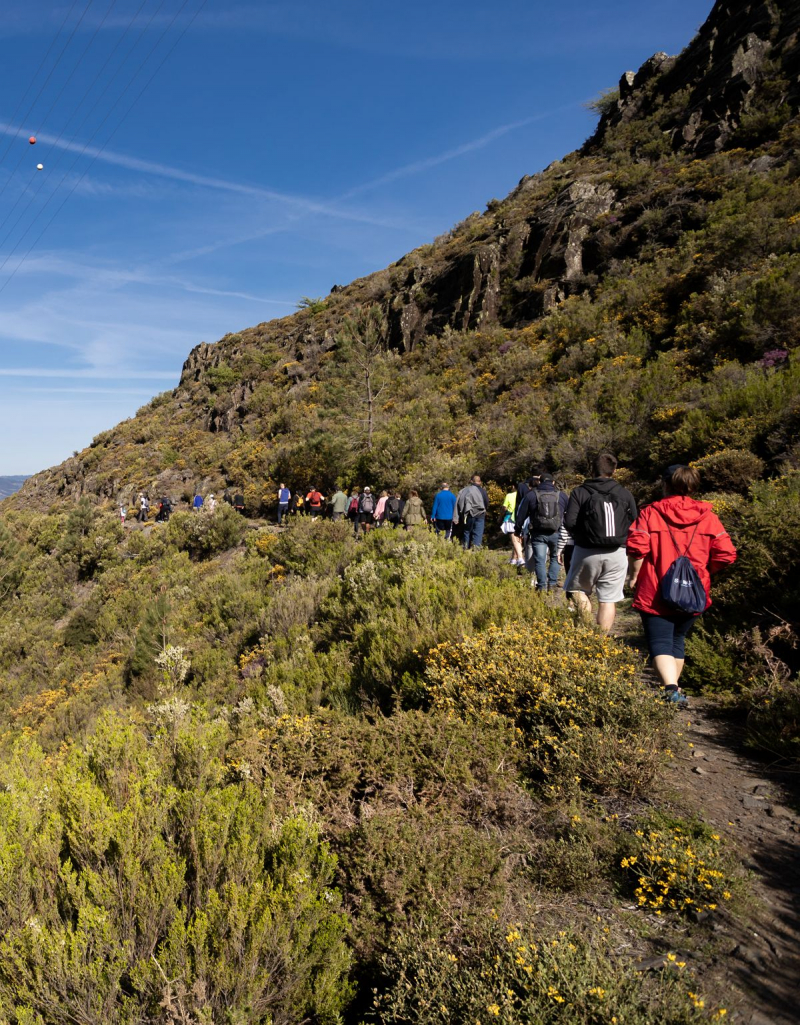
(363, 340)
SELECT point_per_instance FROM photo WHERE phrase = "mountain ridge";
(558, 239)
(10, 484)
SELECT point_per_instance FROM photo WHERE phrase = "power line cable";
(57, 164)
(79, 105)
(65, 83)
(50, 75)
(36, 74)
(139, 95)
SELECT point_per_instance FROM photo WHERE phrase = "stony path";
(756, 807)
(752, 805)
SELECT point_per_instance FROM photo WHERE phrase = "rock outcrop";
(720, 77)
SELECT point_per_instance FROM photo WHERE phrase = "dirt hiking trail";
(754, 805)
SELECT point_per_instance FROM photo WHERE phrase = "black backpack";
(392, 509)
(605, 518)
(547, 518)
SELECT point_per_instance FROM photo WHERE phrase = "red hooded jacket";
(688, 521)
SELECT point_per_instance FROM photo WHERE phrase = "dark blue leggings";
(666, 635)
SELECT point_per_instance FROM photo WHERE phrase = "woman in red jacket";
(675, 525)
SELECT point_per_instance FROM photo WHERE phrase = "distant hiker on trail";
(599, 515)
(471, 509)
(366, 511)
(164, 510)
(542, 510)
(294, 503)
(443, 510)
(352, 508)
(123, 512)
(227, 498)
(413, 511)
(284, 498)
(508, 526)
(393, 510)
(668, 595)
(314, 500)
(238, 503)
(380, 508)
(337, 504)
(144, 508)
(197, 503)
(211, 504)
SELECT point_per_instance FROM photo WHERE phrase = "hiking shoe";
(675, 696)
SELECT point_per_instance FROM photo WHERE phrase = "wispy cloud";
(428, 163)
(150, 167)
(113, 277)
(89, 373)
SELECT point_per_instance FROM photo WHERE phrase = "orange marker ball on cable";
(32, 140)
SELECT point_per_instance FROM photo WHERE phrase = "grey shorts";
(602, 572)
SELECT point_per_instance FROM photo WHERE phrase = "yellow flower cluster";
(265, 541)
(675, 871)
(573, 695)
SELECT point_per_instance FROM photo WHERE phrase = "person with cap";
(542, 514)
(366, 511)
(211, 504)
(676, 525)
(444, 507)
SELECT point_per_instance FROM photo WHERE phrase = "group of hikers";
(199, 503)
(366, 510)
(665, 553)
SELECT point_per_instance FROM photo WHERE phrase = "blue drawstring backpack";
(681, 586)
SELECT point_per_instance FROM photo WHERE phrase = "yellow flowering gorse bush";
(677, 869)
(580, 711)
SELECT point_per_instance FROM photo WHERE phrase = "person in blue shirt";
(284, 497)
(197, 504)
(444, 506)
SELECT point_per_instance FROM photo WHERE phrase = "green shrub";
(516, 975)
(203, 535)
(142, 878)
(676, 866)
(730, 470)
(582, 715)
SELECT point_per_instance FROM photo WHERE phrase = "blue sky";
(278, 149)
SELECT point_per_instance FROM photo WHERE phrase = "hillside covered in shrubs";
(251, 776)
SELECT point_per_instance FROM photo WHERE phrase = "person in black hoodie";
(543, 509)
(599, 515)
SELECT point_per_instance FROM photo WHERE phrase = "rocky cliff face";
(744, 48)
